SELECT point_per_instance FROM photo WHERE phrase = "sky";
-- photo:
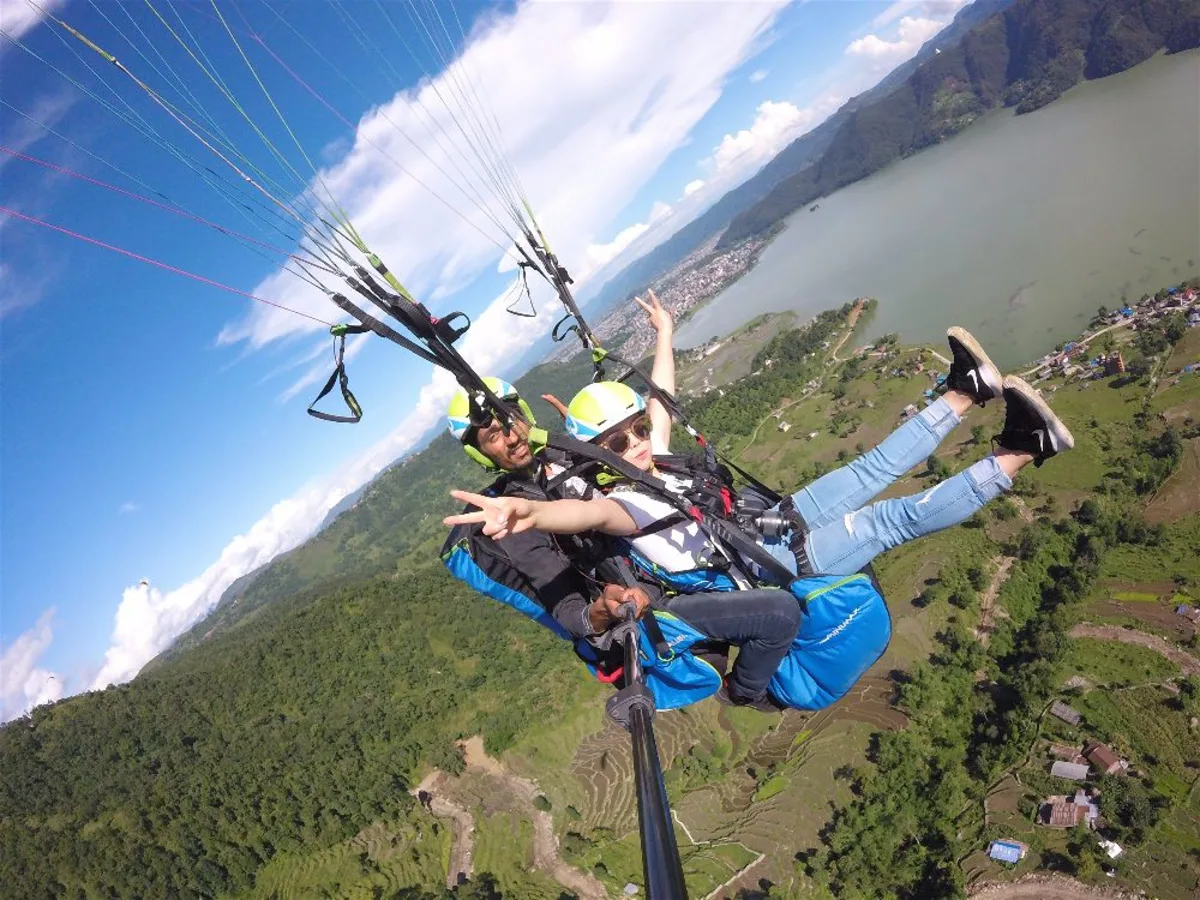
(153, 440)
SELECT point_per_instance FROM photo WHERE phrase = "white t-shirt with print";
(681, 547)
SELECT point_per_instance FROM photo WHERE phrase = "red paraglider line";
(161, 265)
(169, 208)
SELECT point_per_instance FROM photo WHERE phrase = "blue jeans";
(762, 622)
(844, 534)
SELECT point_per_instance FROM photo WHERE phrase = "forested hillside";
(1025, 56)
(275, 758)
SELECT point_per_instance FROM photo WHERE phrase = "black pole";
(633, 708)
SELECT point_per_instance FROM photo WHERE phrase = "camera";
(754, 516)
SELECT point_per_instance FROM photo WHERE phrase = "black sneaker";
(971, 370)
(1030, 426)
(766, 703)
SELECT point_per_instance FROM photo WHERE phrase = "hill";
(1024, 56)
(795, 156)
(275, 759)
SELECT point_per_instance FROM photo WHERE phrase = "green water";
(1017, 229)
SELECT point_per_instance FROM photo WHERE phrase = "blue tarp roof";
(1005, 852)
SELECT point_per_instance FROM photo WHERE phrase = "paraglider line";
(175, 210)
(83, 237)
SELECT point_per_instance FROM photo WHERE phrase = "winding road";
(545, 842)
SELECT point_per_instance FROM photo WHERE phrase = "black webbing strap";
(339, 377)
(382, 329)
(661, 525)
(437, 334)
(723, 533)
(661, 648)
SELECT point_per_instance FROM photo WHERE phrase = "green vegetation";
(291, 735)
(1134, 596)
(797, 356)
(1115, 664)
(772, 786)
(274, 758)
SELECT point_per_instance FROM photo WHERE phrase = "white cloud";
(600, 254)
(20, 290)
(911, 34)
(692, 186)
(32, 123)
(931, 9)
(619, 86)
(128, 507)
(17, 17)
(758, 75)
(24, 684)
(775, 125)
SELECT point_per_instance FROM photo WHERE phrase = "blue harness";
(844, 630)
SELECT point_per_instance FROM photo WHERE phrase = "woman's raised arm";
(663, 373)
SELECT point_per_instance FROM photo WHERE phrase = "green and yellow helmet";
(458, 416)
(600, 406)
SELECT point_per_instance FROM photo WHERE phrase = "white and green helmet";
(458, 413)
(600, 406)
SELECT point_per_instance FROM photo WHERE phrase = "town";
(698, 278)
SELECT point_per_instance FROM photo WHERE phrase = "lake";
(1016, 229)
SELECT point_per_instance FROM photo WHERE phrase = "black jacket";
(561, 573)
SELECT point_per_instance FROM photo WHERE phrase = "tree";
(977, 576)
(935, 468)
(1189, 695)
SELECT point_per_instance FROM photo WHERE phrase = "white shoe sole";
(987, 369)
(1060, 436)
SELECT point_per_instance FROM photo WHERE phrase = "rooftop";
(1073, 771)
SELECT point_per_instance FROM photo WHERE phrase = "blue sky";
(153, 427)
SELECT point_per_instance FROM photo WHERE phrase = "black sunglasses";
(619, 442)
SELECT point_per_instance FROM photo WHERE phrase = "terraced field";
(386, 857)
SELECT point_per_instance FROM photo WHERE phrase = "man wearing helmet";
(548, 567)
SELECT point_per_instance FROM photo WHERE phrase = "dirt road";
(1188, 663)
(545, 842)
(464, 826)
(851, 321)
(1048, 887)
(987, 602)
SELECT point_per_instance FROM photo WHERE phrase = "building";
(909, 411)
(1188, 612)
(1103, 759)
(1060, 710)
(1070, 770)
(783, 426)
(1114, 364)
(1065, 751)
(1069, 812)
(1112, 848)
(1007, 851)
